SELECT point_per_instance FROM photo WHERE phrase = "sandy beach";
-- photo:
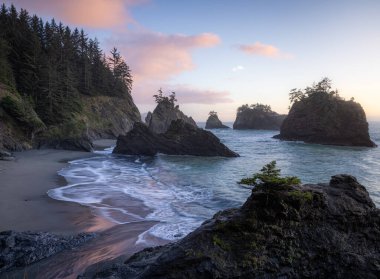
(25, 206)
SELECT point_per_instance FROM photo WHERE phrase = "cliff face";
(100, 117)
(258, 120)
(163, 115)
(213, 122)
(309, 231)
(326, 120)
(181, 138)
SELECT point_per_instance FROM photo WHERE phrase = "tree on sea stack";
(269, 175)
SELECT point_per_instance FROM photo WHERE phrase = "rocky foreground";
(181, 138)
(19, 249)
(310, 231)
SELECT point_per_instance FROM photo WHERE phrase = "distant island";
(213, 121)
(257, 117)
(319, 115)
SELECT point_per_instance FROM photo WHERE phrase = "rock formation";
(309, 231)
(213, 122)
(326, 119)
(19, 249)
(258, 117)
(180, 139)
(163, 115)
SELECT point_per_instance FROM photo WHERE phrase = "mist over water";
(183, 191)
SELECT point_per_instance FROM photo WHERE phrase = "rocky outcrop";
(213, 122)
(180, 139)
(258, 119)
(309, 231)
(323, 119)
(19, 249)
(163, 115)
(101, 117)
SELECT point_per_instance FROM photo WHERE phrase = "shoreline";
(25, 206)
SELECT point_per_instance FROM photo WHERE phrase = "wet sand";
(24, 205)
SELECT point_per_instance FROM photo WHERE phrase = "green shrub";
(270, 175)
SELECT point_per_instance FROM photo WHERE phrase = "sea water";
(184, 191)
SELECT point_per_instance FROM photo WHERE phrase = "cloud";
(186, 94)
(85, 13)
(238, 68)
(158, 56)
(263, 50)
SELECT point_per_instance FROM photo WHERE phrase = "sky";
(219, 54)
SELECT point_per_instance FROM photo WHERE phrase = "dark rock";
(163, 115)
(310, 231)
(213, 122)
(326, 120)
(258, 119)
(180, 139)
(19, 249)
(6, 156)
(74, 144)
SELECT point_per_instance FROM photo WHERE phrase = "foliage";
(254, 107)
(213, 114)
(53, 65)
(269, 175)
(160, 98)
(321, 88)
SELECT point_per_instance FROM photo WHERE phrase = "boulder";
(309, 231)
(180, 139)
(6, 156)
(19, 249)
(213, 122)
(75, 144)
(323, 119)
(163, 115)
(257, 118)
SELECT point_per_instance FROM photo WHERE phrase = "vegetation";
(322, 88)
(159, 98)
(51, 65)
(255, 107)
(269, 175)
(213, 114)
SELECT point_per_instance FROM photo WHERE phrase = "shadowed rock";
(323, 119)
(180, 139)
(311, 231)
(159, 121)
(19, 249)
(213, 122)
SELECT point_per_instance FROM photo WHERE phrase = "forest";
(49, 66)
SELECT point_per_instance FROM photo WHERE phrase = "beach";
(25, 206)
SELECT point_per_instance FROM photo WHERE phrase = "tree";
(269, 175)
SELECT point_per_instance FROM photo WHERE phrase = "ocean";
(184, 191)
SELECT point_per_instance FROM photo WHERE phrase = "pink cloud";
(263, 50)
(159, 56)
(186, 94)
(86, 13)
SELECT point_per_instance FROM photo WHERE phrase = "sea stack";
(181, 138)
(258, 117)
(319, 115)
(165, 112)
(213, 122)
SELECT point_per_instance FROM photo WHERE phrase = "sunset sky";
(218, 55)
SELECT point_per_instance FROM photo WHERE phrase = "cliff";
(163, 115)
(309, 231)
(255, 117)
(181, 138)
(21, 127)
(325, 119)
(213, 122)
